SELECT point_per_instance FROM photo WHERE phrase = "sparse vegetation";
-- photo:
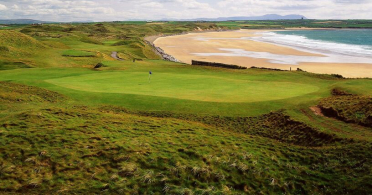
(349, 108)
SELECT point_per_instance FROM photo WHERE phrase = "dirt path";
(114, 55)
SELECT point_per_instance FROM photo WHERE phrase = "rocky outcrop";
(159, 51)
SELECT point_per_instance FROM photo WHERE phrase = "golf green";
(185, 86)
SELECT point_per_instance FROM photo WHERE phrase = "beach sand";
(182, 48)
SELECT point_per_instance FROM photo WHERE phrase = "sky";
(119, 10)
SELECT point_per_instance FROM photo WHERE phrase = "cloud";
(57, 10)
(193, 4)
(109, 10)
(152, 5)
(3, 7)
(317, 9)
(351, 1)
(15, 7)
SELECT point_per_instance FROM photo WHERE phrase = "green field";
(180, 88)
(67, 127)
(186, 86)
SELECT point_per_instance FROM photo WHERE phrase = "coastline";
(150, 40)
(184, 47)
(159, 51)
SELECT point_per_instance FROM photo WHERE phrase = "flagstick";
(149, 78)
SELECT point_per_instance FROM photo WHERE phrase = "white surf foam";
(326, 47)
(287, 59)
(332, 52)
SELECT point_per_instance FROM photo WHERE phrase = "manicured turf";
(181, 88)
(78, 53)
(186, 86)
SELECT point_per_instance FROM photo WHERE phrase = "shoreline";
(153, 38)
(150, 40)
(184, 47)
(160, 52)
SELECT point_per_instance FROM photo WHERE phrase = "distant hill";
(267, 17)
(21, 21)
(83, 21)
(264, 17)
(30, 21)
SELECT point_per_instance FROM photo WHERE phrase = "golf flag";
(150, 73)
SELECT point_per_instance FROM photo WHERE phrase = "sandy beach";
(187, 47)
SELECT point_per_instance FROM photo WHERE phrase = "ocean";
(350, 42)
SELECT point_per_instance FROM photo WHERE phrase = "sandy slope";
(182, 47)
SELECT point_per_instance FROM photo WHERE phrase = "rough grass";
(275, 125)
(349, 108)
(4, 65)
(41, 45)
(10, 92)
(15, 44)
(81, 149)
(15, 39)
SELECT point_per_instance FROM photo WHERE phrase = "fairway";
(185, 86)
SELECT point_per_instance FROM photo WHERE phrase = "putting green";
(185, 86)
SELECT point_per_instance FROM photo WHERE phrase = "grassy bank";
(50, 145)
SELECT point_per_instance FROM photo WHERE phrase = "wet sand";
(184, 47)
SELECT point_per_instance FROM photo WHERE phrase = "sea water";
(345, 42)
(361, 37)
(335, 46)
